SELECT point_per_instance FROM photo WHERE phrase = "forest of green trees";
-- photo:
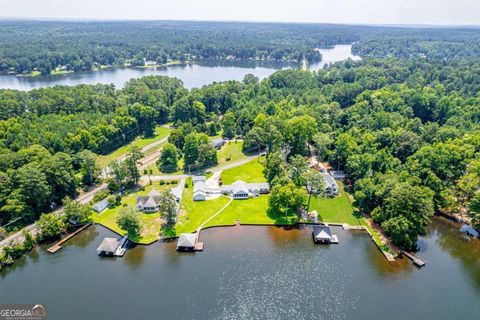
(43, 46)
(405, 130)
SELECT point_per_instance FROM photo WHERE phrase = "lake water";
(195, 75)
(252, 273)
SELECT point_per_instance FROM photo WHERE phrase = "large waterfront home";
(242, 190)
(150, 202)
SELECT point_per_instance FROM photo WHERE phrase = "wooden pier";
(198, 244)
(57, 246)
(416, 261)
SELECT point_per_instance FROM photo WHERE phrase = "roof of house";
(187, 240)
(241, 185)
(148, 201)
(108, 245)
(322, 232)
(329, 180)
(100, 205)
(217, 142)
(178, 190)
(200, 187)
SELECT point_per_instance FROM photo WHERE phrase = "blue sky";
(445, 12)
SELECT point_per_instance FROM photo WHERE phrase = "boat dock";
(416, 261)
(198, 244)
(120, 251)
(57, 246)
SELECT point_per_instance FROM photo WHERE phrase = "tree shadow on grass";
(281, 218)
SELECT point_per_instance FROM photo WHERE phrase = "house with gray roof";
(330, 185)
(149, 203)
(101, 205)
(242, 190)
(217, 143)
(199, 188)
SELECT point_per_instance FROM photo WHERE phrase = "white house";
(242, 190)
(199, 188)
(331, 186)
(101, 205)
(150, 202)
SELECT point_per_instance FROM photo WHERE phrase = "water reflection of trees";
(465, 250)
(85, 237)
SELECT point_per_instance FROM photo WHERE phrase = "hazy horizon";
(350, 12)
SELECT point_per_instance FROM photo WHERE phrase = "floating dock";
(57, 246)
(120, 252)
(416, 261)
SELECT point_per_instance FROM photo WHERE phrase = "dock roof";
(108, 245)
(187, 240)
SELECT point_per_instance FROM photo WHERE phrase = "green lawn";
(251, 211)
(150, 221)
(338, 209)
(160, 133)
(231, 149)
(248, 172)
(193, 213)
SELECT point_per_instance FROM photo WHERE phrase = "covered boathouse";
(108, 247)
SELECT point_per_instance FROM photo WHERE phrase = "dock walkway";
(416, 261)
(57, 246)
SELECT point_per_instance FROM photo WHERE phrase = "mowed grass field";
(251, 171)
(150, 222)
(232, 150)
(338, 209)
(193, 213)
(160, 133)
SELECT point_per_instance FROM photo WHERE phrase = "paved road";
(32, 228)
(213, 170)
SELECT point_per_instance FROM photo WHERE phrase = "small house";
(186, 242)
(217, 143)
(108, 247)
(199, 188)
(101, 205)
(331, 186)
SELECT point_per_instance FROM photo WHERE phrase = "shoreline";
(345, 226)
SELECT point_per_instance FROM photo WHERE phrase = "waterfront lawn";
(248, 172)
(160, 133)
(150, 222)
(193, 213)
(232, 149)
(251, 211)
(338, 209)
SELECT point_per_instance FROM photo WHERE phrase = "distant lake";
(193, 76)
(252, 273)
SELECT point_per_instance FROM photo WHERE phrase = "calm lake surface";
(252, 273)
(193, 76)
